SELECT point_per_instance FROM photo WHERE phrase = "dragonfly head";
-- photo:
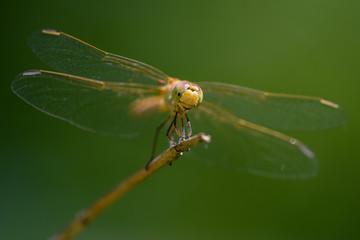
(187, 95)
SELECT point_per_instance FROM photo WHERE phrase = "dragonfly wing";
(102, 107)
(68, 54)
(273, 110)
(247, 147)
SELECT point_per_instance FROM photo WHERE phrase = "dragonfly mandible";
(114, 95)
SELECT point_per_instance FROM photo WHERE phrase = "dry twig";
(86, 216)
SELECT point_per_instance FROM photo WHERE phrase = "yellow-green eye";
(177, 92)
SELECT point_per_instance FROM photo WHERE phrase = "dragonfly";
(113, 95)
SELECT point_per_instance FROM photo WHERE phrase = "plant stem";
(86, 216)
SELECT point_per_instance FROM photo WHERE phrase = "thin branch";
(86, 216)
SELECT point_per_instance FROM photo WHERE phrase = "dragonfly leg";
(182, 138)
(175, 121)
(170, 131)
(189, 128)
(156, 138)
(189, 125)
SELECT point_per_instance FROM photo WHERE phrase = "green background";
(50, 169)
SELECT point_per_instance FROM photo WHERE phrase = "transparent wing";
(247, 147)
(102, 107)
(73, 56)
(274, 110)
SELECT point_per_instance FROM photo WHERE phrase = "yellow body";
(177, 96)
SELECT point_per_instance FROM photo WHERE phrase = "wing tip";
(329, 103)
(31, 72)
(51, 31)
(307, 152)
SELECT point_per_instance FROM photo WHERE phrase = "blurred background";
(50, 169)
